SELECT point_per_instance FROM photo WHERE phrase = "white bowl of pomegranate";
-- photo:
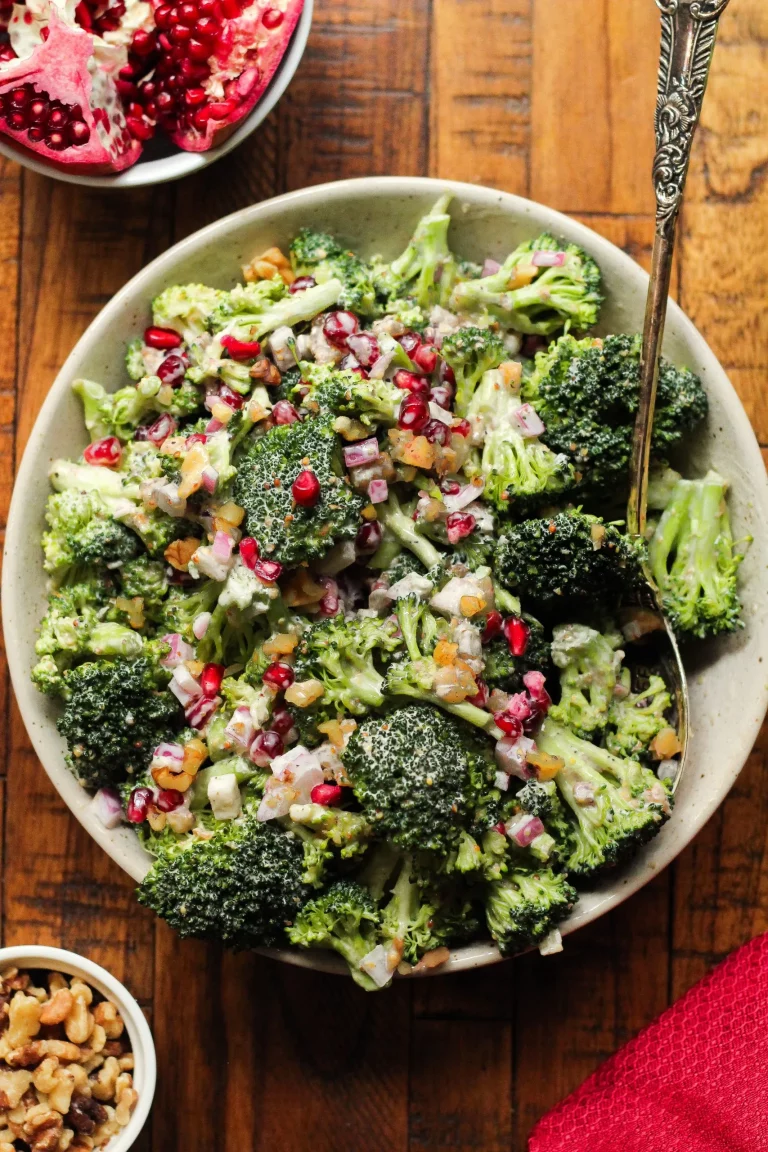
(77, 1059)
(325, 642)
(124, 93)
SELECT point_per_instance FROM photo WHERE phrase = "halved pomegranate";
(84, 83)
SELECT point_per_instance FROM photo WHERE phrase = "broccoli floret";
(518, 470)
(586, 392)
(420, 918)
(523, 907)
(344, 918)
(341, 654)
(420, 776)
(533, 295)
(346, 393)
(618, 803)
(242, 886)
(403, 564)
(117, 492)
(505, 671)
(146, 579)
(420, 676)
(134, 360)
(694, 561)
(81, 532)
(65, 631)
(426, 270)
(471, 352)
(114, 716)
(400, 525)
(589, 664)
(327, 832)
(318, 254)
(268, 467)
(637, 718)
(252, 311)
(541, 798)
(186, 308)
(570, 554)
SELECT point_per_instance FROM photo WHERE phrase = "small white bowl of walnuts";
(77, 1060)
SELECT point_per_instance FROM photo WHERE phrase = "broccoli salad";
(340, 611)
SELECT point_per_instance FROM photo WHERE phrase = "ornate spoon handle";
(688, 31)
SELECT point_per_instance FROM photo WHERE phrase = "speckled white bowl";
(142, 1045)
(162, 161)
(729, 692)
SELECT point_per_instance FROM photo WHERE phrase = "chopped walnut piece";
(13, 1085)
(103, 1087)
(268, 265)
(180, 552)
(266, 372)
(24, 1020)
(126, 1102)
(58, 1007)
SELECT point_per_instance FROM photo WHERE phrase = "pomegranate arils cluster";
(33, 113)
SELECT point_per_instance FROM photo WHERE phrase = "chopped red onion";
(378, 491)
(489, 267)
(223, 545)
(212, 426)
(200, 625)
(511, 756)
(180, 650)
(168, 755)
(528, 421)
(329, 605)
(107, 808)
(199, 713)
(379, 366)
(184, 686)
(584, 794)
(524, 829)
(210, 478)
(548, 259)
(462, 498)
(241, 728)
(364, 452)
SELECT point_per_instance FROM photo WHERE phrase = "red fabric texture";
(696, 1080)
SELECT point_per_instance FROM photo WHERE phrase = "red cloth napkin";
(696, 1080)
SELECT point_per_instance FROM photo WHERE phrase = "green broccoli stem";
(368, 684)
(668, 530)
(410, 611)
(290, 310)
(468, 712)
(402, 526)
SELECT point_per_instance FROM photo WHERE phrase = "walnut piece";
(58, 1007)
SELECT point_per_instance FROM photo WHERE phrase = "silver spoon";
(688, 33)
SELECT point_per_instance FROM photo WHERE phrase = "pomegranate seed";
(162, 16)
(241, 349)
(138, 805)
(414, 414)
(17, 121)
(180, 34)
(265, 748)
(366, 349)
(169, 799)
(306, 489)
(249, 551)
(338, 327)
(517, 634)
(37, 110)
(442, 395)
(494, 622)
(20, 97)
(268, 570)
(162, 338)
(164, 102)
(57, 118)
(500, 828)
(350, 363)
(279, 676)
(326, 794)
(143, 42)
(369, 536)
(450, 487)
(301, 283)
(232, 399)
(56, 141)
(410, 382)
(207, 28)
(480, 699)
(127, 89)
(272, 18)
(35, 134)
(162, 428)
(211, 678)
(284, 413)
(231, 9)
(510, 725)
(171, 370)
(425, 357)
(458, 525)
(106, 452)
(195, 438)
(462, 428)
(409, 342)
(194, 97)
(438, 433)
(79, 133)
(281, 721)
(446, 374)
(140, 129)
(198, 50)
(188, 14)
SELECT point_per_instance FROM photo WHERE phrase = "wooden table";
(552, 99)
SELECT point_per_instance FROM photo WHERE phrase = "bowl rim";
(609, 895)
(179, 164)
(142, 1042)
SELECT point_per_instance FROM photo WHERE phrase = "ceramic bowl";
(142, 1045)
(161, 160)
(728, 685)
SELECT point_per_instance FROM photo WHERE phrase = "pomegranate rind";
(262, 49)
(60, 67)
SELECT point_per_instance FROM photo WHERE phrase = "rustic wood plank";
(480, 111)
(481, 994)
(592, 109)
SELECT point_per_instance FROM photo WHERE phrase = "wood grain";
(542, 98)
